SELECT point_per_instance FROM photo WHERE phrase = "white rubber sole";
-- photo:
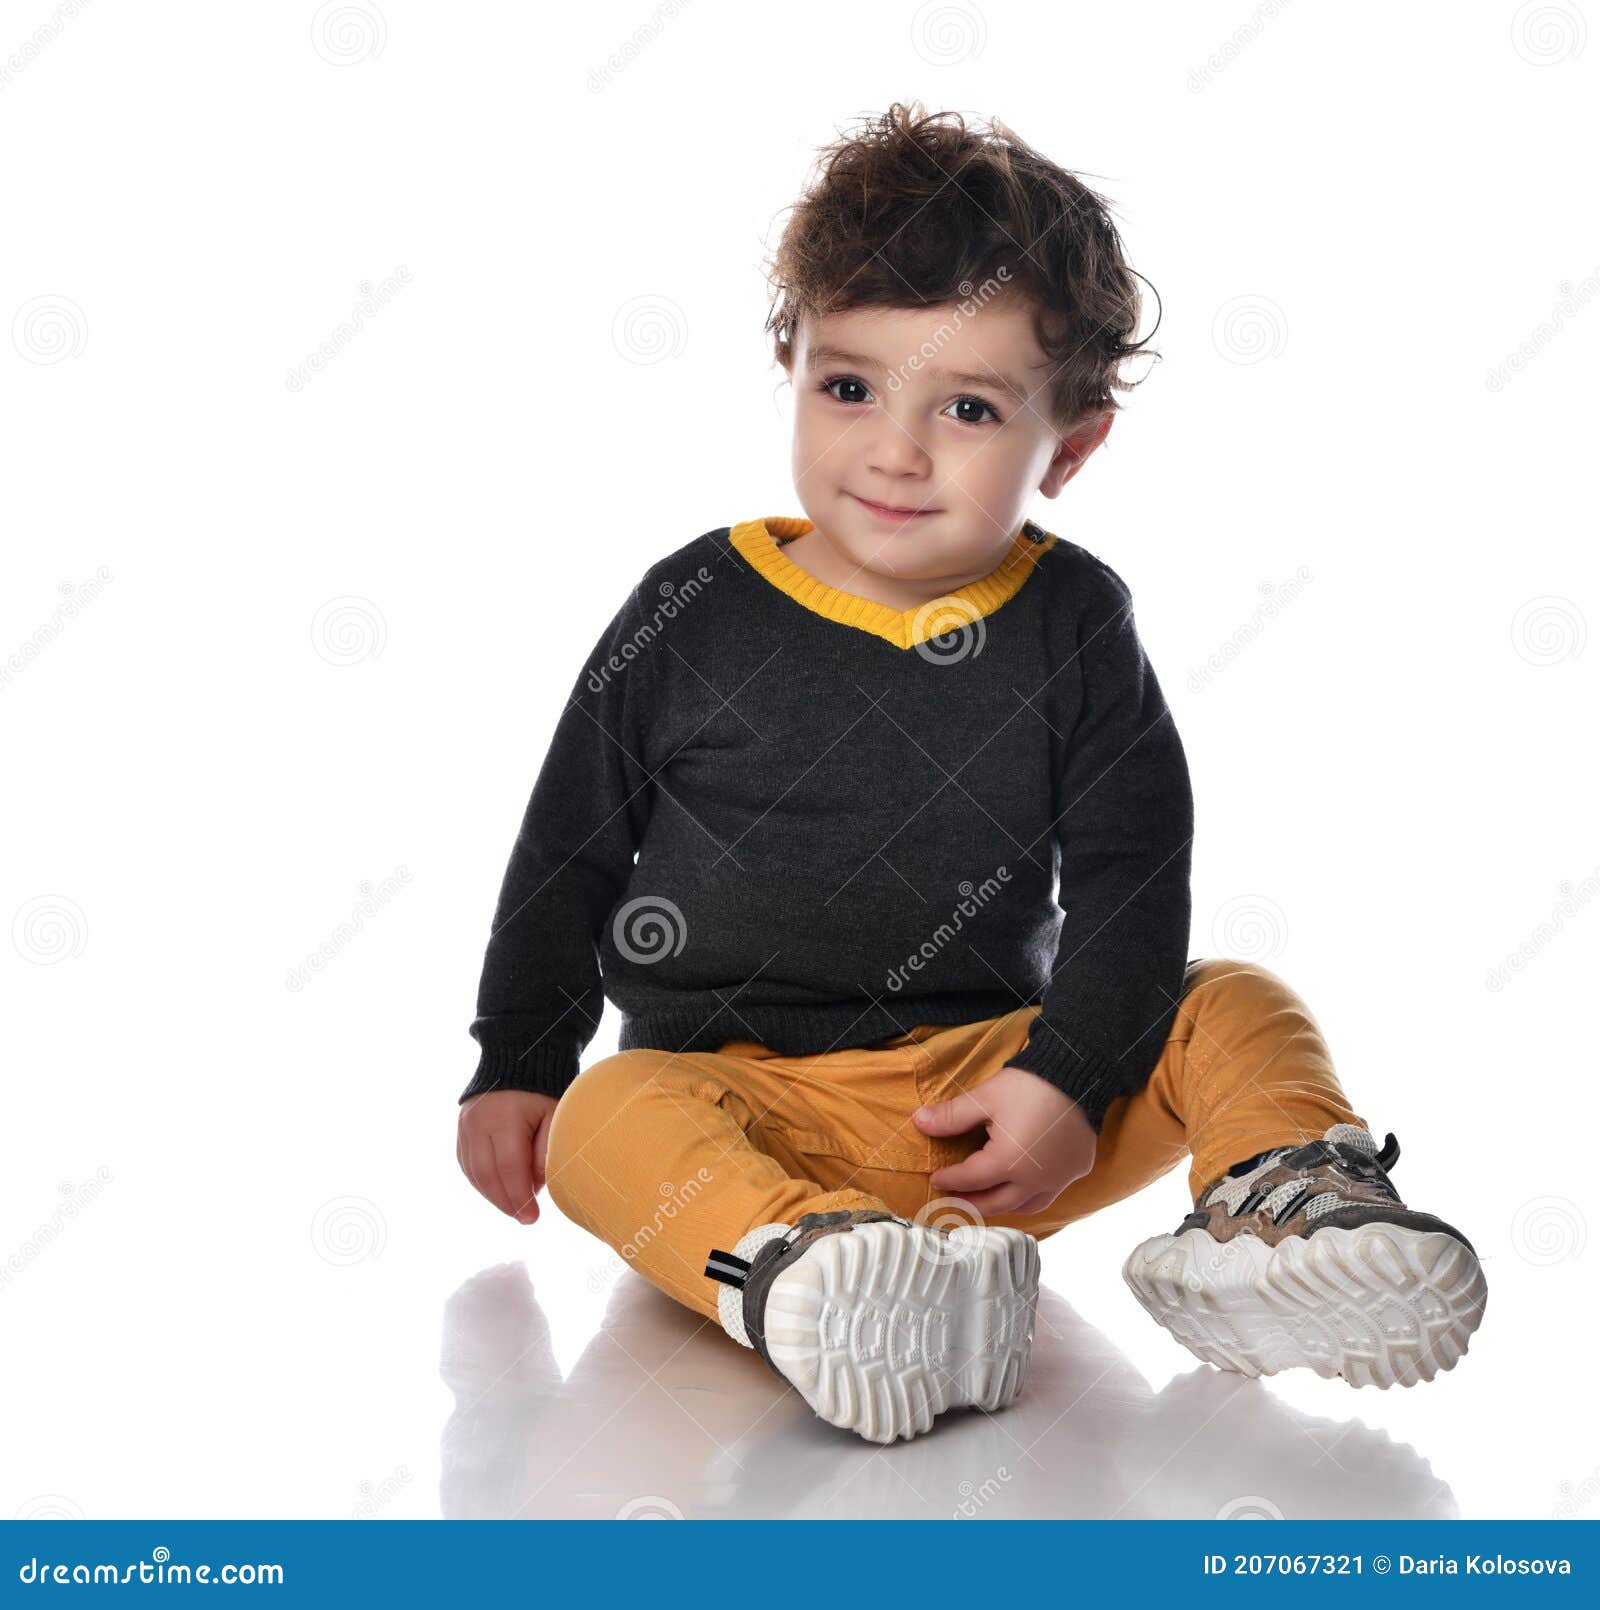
(1377, 1305)
(882, 1327)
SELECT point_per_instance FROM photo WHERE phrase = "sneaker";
(1309, 1257)
(881, 1323)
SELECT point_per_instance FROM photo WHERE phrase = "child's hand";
(1039, 1142)
(501, 1142)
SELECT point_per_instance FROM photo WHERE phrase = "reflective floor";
(179, 1346)
(664, 1415)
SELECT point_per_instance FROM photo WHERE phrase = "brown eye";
(842, 380)
(975, 402)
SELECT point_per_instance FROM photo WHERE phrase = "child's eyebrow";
(961, 377)
(998, 381)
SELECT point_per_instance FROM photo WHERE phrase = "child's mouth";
(885, 511)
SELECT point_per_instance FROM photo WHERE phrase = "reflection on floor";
(666, 1417)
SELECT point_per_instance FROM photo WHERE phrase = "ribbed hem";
(797, 1031)
(546, 1068)
(1092, 1080)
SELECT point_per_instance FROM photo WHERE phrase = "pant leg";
(1244, 1067)
(1255, 1070)
(664, 1155)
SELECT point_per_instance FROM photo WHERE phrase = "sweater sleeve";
(540, 994)
(1124, 826)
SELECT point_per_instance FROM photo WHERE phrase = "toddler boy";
(876, 827)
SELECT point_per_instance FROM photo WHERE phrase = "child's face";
(931, 409)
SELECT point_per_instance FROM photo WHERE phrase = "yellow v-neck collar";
(757, 541)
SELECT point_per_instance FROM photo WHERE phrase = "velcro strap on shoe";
(728, 1267)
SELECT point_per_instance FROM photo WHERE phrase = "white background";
(264, 648)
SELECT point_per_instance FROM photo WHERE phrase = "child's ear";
(1073, 450)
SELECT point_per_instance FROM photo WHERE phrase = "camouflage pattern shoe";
(881, 1323)
(1309, 1258)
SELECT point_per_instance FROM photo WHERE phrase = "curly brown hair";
(914, 209)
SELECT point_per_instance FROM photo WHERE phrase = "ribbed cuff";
(546, 1068)
(1092, 1080)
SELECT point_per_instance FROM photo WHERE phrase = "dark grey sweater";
(773, 810)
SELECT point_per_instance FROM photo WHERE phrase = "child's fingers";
(513, 1151)
(984, 1167)
(952, 1117)
(1006, 1198)
(484, 1172)
(541, 1150)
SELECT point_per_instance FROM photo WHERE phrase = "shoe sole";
(1374, 1304)
(882, 1327)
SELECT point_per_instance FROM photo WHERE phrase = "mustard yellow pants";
(664, 1155)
